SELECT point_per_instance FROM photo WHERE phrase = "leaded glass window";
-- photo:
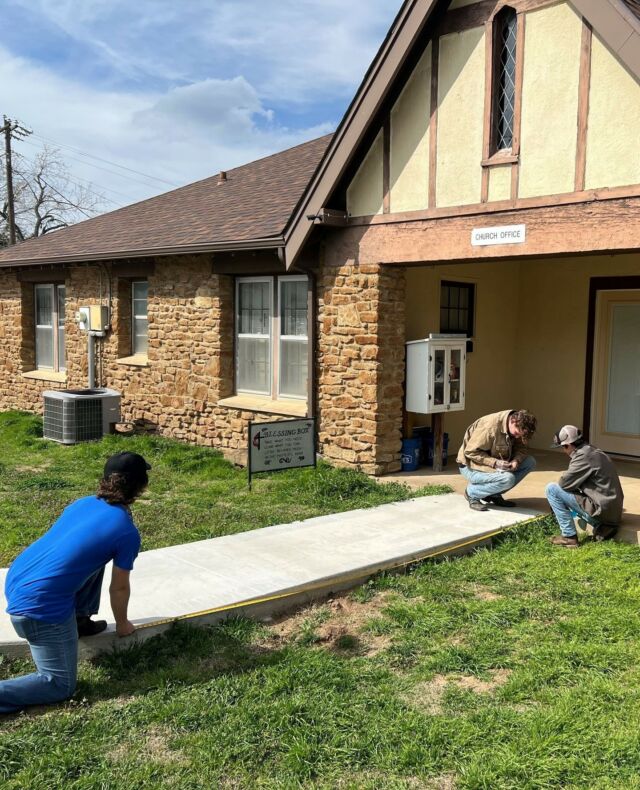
(504, 78)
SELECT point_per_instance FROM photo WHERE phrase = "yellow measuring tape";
(321, 584)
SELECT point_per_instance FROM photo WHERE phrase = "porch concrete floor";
(530, 493)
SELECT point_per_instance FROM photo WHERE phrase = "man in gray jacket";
(589, 490)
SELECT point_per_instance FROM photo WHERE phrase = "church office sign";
(504, 234)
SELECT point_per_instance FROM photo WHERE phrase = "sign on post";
(286, 444)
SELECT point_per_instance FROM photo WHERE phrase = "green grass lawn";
(194, 494)
(512, 668)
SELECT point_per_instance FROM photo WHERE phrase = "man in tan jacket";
(493, 456)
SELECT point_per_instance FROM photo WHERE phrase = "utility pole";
(11, 129)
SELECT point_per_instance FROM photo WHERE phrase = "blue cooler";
(410, 454)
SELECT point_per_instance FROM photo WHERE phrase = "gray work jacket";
(593, 480)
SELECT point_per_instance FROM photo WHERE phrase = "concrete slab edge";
(271, 605)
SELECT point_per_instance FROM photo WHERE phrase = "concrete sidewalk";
(269, 570)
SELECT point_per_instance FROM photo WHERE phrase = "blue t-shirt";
(43, 580)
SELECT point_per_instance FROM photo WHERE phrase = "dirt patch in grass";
(428, 696)
(38, 468)
(338, 624)
(375, 779)
(499, 678)
(483, 593)
(154, 747)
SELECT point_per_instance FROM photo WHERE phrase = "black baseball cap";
(131, 466)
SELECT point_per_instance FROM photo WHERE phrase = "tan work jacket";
(487, 441)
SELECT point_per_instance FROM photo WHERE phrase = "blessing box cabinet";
(436, 370)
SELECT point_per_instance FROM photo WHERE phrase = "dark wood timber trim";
(598, 284)
(488, 107)
(478, 14)
(133, 269)
(386, 166)
(36, 276)
(575, 229)
(413, 24)
(517, 110)
(583, 104)
(433, 123)
(247, 264)
(499, 206)
(498, 159)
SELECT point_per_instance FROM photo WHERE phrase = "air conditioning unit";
(72, 416)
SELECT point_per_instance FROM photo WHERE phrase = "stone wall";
(361, 335)
(190, 358)
(189, 367)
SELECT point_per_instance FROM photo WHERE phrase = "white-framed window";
(293, 367)
(139, 323)
(49, 302)
(272, 336)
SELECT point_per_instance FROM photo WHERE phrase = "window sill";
(136, 361)
(501, 158)
(46, 375)
(287, 408)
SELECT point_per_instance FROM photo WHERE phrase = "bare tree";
(46, 196)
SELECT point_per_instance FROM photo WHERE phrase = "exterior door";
(615, 423)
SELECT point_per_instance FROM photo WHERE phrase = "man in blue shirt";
(53, 587)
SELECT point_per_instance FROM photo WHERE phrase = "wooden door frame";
(597, 284)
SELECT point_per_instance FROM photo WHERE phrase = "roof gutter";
(272, 243)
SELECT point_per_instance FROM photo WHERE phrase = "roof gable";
(614, 21)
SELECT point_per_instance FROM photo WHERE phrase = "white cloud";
(181, 136)
(182, 90)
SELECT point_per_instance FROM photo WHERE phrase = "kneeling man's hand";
(507, 466)
(124, 629)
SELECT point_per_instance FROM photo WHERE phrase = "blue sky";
(181, 90)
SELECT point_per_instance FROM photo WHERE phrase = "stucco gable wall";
(613, 136)
(549, 146)
(550, 101)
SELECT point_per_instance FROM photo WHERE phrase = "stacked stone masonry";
(190, 357)
(360, 373)
(189, 367)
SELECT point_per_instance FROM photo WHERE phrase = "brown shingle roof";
(253, 205)
(634, 5)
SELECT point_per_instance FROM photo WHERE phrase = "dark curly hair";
(117, 490)
(526, 422)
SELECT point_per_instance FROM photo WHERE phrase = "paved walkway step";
(269, 570)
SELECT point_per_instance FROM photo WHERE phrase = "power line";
(77, 179)
(105, 169)
(106, 161)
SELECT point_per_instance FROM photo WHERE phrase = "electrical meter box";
(98, 318)
(436, 368)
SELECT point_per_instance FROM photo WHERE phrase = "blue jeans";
(54, 649)
(485, 484)
(565, 506)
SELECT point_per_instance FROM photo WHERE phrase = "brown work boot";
(475, 504)
(565, 542)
